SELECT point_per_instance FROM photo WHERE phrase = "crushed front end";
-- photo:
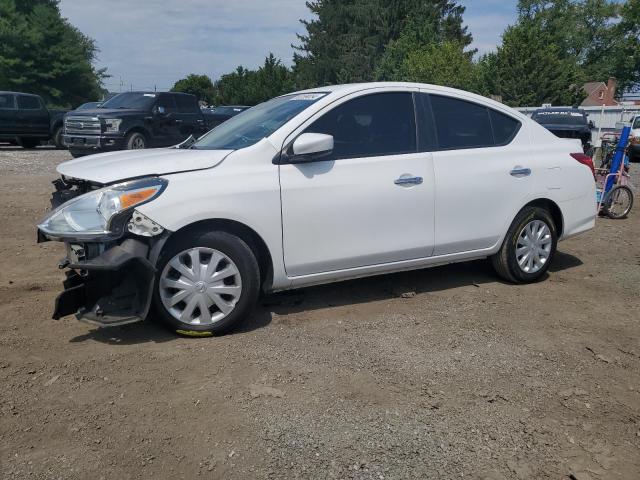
(110, 269)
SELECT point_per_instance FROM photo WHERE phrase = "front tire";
(135, 141)
(57, 138)
(207, 283)
(528, 248)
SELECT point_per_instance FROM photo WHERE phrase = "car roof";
(18, 93)
(560, 110)
(346, 89)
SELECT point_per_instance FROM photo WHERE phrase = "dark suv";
(134, 120)
(566, 123)
(26, 121)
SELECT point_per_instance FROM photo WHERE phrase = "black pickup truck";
(26, 121)
(135, 120)
(566, 123)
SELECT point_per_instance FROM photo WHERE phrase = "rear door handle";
(408, 180)
(520, 172)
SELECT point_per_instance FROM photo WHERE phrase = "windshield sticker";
(308, 96)
(572, 114)
(152, 95)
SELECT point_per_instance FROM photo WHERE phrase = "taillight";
(585, 160)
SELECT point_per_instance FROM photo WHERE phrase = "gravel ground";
(463, 376)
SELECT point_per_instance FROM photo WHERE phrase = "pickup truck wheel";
(29, 142)
(528, 248)
(57, 138)
(135, 141)
(206, 283)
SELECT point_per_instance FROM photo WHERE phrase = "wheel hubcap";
(200, 286)
(138, 143)
(533, 248)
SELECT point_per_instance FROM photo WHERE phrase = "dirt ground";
(463, 376)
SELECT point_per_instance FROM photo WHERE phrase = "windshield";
(636, 123)
(256, 123)
(141, 101)
(560, 118)
(87, 106)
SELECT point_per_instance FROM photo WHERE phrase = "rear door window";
(26, 102)
(370, 126)
(461, 124)
(186, 104)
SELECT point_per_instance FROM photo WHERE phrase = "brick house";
(599, 93)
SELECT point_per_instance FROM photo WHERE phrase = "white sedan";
(314, 187)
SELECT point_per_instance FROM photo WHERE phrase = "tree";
(250, 87)
(625, 49)
(348, 38)
(601, 36)
(417, 56)
(199, 85)
(528, 69)
(40, 52)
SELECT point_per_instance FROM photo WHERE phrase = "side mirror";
(310, 146)
(592, 125)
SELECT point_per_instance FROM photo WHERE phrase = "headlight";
(112, 124)
(91, 214)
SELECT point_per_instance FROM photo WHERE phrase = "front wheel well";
(553, 208)
(250, 237)
(137, 130)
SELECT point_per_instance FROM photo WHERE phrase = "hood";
(112, 167)
(107, 112)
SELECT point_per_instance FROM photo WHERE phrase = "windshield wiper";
(188, 143)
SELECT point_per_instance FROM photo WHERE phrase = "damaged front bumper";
(114, 288)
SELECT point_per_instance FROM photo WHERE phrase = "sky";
(152, 43)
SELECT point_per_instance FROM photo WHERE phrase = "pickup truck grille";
(82, 125)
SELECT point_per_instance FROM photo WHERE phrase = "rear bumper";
(111, 289)
(93, 142)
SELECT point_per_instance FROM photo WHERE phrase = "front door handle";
(520, 172)
(408, 180)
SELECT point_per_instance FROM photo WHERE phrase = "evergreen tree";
(40, 52)
(528, 69)
(347, 39)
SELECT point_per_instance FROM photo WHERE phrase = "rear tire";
(29, 142)
(135, 141)
(528, 247)
(228, 299)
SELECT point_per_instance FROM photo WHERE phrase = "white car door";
(483, 172)
(371, 202)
